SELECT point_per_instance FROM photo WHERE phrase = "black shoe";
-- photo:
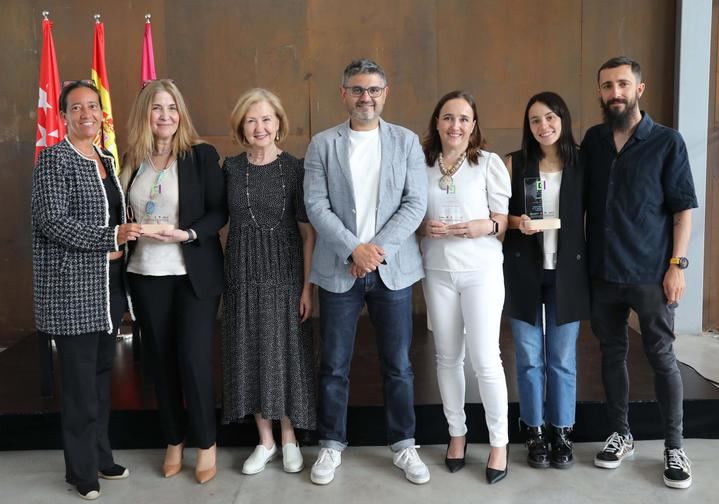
(562, 457)
(89, 491)
(538, 451)
(495, 475)
(677, 468)
(113, 473)
(455, 464)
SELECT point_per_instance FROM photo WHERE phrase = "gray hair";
(362, 66)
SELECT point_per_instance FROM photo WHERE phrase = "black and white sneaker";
(677, 468)
(114, 473)
(88, 491)
(616, 449)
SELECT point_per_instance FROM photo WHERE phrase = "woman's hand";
(128, 232)
(306, 303)
(471, 229)
(435, 229)
(524, 218)
(169, 235)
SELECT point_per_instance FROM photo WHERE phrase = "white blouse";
(479, 190)
(153, 257)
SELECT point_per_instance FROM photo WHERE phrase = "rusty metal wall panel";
(502, 51)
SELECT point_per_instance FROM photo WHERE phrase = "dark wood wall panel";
(641, 29)
(711, 229)
(502, 51)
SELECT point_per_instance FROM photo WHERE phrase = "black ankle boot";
(536, 440)
(562, 457)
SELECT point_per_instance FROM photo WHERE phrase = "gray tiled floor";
(367, 476)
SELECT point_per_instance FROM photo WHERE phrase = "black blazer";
(203, 207)
(524, 255)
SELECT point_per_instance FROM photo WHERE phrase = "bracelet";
(495, 227)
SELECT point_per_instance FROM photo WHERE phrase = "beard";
(369, 114)
(618, 120)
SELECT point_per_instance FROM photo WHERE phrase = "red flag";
(106, 136)
(50, 129)
(148, 54)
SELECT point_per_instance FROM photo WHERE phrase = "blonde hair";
(251, 97)
(141, 141)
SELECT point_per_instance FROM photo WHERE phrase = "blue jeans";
(391, 315)
(546, 364)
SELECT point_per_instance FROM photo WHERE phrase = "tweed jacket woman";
(70, 241)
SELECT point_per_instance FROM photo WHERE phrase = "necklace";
(446, 181)
(247, 192)
(156, 188)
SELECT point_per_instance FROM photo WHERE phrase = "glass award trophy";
(156, 219)
(534, 208)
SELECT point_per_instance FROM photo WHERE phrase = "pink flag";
(148, 54)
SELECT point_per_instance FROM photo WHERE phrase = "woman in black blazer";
(546, 270)
(176, 190)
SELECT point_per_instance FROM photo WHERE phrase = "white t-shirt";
(153, 257)
(551, 183)
(365, 153)
(479, 189)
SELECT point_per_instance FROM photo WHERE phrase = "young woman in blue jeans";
(545, 274)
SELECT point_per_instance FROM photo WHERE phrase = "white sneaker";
(414, 469)
(292, 458)
(256, 462)
(323, 470)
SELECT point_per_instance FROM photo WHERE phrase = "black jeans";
(177, 333)
(610, 311)
(85, 374)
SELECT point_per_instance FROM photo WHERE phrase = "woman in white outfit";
(467, 208)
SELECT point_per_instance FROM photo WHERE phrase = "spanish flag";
(106, 136)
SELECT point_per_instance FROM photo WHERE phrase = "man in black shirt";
(640, 195)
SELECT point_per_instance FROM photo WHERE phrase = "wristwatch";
(495, 227)
(681, 262)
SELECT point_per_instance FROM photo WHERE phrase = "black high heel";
(495, 475)
(455, 464)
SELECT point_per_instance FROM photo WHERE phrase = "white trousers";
(469, 301)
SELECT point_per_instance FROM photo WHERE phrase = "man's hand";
(674, 284)
(367, 257)
(356, 271)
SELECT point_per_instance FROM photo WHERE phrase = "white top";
(365, 153)
(479, 189)
(551, 182)
(153, 257)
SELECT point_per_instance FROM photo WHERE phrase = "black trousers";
(177, 333)
(85, 374)
(610, 311)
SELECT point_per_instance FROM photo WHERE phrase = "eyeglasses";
(372, 91)
(88, 82)
(146, 83)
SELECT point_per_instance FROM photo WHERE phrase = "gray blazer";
(329, 199)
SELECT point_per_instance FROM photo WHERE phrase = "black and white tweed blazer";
(70, 241)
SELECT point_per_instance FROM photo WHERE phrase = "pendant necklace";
(156, 188)
(247, 192)
(446, 182)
